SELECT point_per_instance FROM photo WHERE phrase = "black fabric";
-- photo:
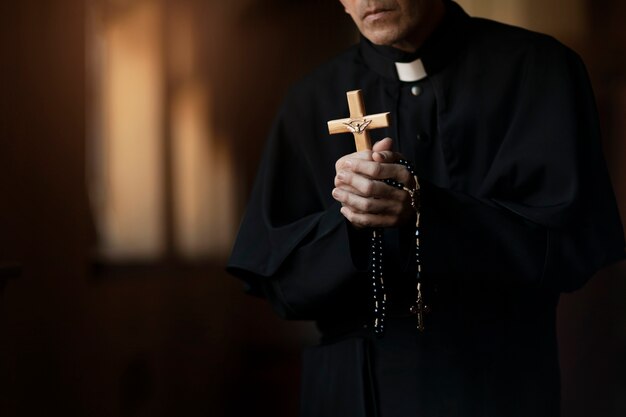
(336, 380)
(517, 206)
(475, 359)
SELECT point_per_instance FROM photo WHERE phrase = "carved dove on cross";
(358, 123)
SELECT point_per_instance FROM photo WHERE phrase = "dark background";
(80, 336)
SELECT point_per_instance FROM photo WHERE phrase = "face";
(398, 23)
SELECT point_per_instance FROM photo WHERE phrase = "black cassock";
(516, 207)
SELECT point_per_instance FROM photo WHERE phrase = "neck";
(422, 31)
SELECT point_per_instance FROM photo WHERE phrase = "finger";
(355, 202)
(377, 170)
(383, 145)
(363, 204)
(361, 220)
(365, 155)
(348, 188)
(387, 156)
(365, 187)
(397, 203)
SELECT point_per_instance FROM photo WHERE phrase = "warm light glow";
(132, 224)
(507, 11)
(204, 192)
(149, 99)
(565, 19)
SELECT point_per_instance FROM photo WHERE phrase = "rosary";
(359, 124)
(419, 308)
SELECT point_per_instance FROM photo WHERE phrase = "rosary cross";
(358, 123)
(420, 308)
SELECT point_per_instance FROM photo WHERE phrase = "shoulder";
(315, 98)
(511, 43)
(333, 72)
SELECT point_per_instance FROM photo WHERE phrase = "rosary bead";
(376, 259)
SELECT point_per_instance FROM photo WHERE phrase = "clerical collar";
(409, 66)
(411, 71)
(441, 46)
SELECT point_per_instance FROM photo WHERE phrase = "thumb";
(381, 150)
(383, 145)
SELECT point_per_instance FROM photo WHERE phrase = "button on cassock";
(416, 90)
(423, 138)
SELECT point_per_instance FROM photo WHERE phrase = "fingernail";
(341, 176)
(347, 164)
(335, 193)
(381, 155)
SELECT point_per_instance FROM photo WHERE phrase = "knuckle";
(390, 191)
(366, 221)
(395, 210)
(368, 205)
(377, 170)
(387, 222)
(357, 204)
(369, 187)
(405, 177)
(403, 196)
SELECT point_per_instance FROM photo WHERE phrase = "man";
(515, 206)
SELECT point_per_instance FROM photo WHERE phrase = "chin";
(385, 38)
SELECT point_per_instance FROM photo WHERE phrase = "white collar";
(411, 71)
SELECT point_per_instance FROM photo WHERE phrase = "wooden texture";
(359, 123)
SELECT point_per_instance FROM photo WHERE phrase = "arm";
(294, 246)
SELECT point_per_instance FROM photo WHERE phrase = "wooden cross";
(358, 123)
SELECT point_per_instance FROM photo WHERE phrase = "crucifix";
(420, 308)
(358, 123)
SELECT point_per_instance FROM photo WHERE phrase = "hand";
(366, 201)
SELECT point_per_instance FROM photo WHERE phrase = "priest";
(432, 262)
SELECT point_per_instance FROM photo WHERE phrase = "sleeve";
(545, 212)
(293, 245)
